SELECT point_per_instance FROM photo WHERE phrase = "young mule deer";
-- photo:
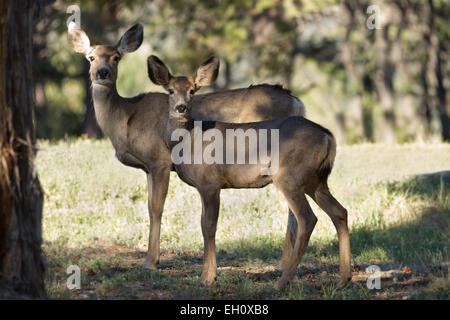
(306, 154)
(137, 126)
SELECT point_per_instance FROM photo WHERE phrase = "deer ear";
(78, 39)
(131, 40)
(157, 71)
(207, 73)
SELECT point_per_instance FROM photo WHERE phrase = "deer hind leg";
(306, 221)
(291, 234)
(338, 215)
(158, 183)
(289, 241)
(210, 214)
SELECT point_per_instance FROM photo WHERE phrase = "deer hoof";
(209, 281)
(274, 292)
(149, 266)
(344, 281)
(280, 284)
(283, 265)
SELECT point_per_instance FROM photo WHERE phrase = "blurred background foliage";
(386, 85)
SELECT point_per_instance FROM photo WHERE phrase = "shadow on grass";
(432, 186)
(421, 241)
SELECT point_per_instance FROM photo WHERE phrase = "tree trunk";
(435, 75)
(444, 113)
(354, 77)
(22, 265)
(90, 126)
(384, 83)
(40, 104)
(425, 109)
(227, 75)
(341, 128)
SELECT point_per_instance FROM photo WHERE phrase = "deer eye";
(170, 91)
(91, 58)
(116, 59)
(192, 92)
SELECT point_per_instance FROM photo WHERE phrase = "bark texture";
(384, 84)
(22, 265)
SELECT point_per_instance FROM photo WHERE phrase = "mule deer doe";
(306, 156)
(137, 126)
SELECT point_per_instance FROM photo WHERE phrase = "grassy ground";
(95, 216)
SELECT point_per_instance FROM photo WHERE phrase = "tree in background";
(386, 85)
(21, 261)
(438, 40)
(385, 65)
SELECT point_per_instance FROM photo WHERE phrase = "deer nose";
(181, 108)
(102, 73)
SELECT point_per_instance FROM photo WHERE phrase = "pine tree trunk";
(354, 81)
(441, 92)
(22, 265)
(227, 75)
(425, 109)
(435, 74)
(384, 83)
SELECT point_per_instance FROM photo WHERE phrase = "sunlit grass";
(95, 216)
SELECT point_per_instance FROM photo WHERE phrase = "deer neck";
(174, 123)
(108, 111)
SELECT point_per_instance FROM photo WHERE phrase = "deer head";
(104, 59)
(181, 89)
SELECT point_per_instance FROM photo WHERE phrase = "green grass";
(95, 216)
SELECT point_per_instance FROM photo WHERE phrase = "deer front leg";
(210, 214)
(158, 183)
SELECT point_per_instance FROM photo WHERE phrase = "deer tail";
(326, 165)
